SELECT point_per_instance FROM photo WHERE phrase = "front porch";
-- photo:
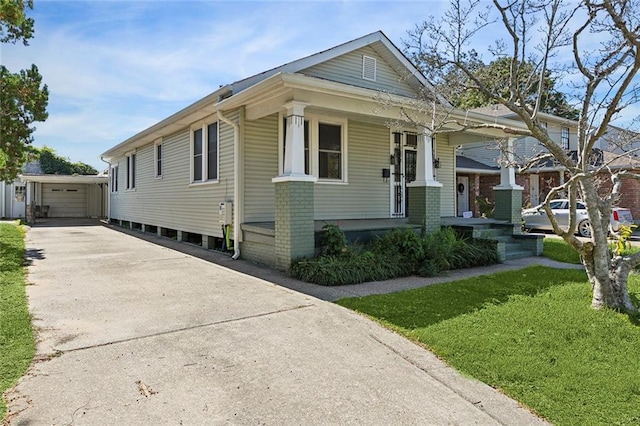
(259, 237)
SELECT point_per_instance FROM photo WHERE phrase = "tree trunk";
(608, 281)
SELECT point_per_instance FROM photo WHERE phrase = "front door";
(463, 194)
(19, 202)
(404, 157)
(534, 190)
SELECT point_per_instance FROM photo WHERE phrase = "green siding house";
(260, 164)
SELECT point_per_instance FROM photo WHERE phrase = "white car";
(536, 217)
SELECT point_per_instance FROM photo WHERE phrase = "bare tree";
(595, 47)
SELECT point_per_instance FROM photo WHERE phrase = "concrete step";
(517, 254)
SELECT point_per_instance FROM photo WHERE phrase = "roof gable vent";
(368, 68)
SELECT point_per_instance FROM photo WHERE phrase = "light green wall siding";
(171, 201)
(446, 175)
(366, 196)
(348, 69)
(260, 166)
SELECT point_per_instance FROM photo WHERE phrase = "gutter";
(236, 183)
(109, 190)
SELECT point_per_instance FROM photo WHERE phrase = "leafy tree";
(596, 45)
(52, 163)
(463, 92)
(23, 97)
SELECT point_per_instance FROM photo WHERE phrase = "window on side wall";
(157, 153)
(205, 153)
(131, 171)
(325, 148)
(564, 138)
(114, 178)
(329, 151)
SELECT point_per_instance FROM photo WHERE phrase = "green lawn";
(16, 335)
(532, 334)
(558, 249)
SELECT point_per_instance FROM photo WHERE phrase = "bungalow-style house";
(260, 164)
(34, 194)
(477, 170)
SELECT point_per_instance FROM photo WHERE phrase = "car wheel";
(584, 229)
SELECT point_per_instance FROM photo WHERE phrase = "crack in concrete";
(178, 330)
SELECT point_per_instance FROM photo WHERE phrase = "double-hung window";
(204, 153)
(131, 171)
(324, 148)
(329, 151)
(157, 157)
(564, 138)
(114, 178)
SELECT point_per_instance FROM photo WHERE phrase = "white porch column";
(424, 161)
(508, 173)
(294, 142)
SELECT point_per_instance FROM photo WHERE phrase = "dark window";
(197, 155)
(212, 151)
(329, 151)
(114, 179)
(159, 160)
(131, 171)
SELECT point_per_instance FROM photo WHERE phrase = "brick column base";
(424, 206)
(508, 205)
(294, 236)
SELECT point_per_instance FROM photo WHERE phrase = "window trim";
(204, 127)
(114, 178)
(130, 175)
(157, 171)
(565, 132)
(314, 160)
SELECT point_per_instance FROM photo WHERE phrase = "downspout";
(236, 183)
(108, 192)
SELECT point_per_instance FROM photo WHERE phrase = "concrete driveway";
(133, 333)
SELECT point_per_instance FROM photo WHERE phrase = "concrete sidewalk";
(134, 333)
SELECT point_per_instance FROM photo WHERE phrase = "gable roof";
(499, 110)
(376, 40)
(206, 105)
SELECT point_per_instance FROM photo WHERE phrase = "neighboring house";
(35, 194)
(477, 165)
(262, 163)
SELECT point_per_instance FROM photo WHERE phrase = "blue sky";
(114, 68)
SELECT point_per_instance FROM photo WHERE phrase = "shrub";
(399, 253)
(334, 242)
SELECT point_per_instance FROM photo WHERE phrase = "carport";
(66, 196)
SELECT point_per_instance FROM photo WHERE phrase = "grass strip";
(532, 334)
(558, 249)
(16, 335)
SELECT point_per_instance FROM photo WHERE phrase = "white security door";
(19, 200)
(462, 189)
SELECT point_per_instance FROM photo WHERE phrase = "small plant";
(487, 208)
(334, 242)
(621, 242)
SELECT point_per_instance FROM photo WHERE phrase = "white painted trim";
(314, 120)
(294, 178)
(203, 125)
(156, 143)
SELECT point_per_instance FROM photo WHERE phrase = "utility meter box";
(225, 213)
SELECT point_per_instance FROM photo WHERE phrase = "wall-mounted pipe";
(236, 183)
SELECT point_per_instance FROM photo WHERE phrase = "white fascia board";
(64, 178)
